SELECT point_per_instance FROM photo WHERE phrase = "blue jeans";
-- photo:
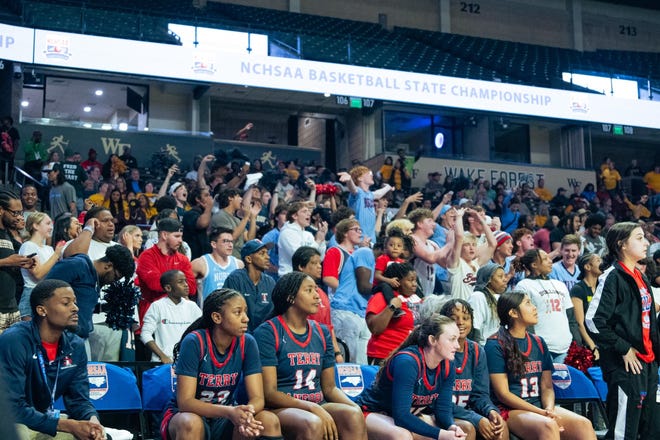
(24, 305)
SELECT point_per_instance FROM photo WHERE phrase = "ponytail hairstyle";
(582, 261)
(525, 262)
(515, 360)
(213, 303)
(285, 291)
(433, 325)
(617, 235)
(462, 305)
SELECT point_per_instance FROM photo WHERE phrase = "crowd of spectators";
(383, 247)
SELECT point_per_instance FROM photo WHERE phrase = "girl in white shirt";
(40, 227)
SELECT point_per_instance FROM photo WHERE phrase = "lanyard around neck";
(42, 364)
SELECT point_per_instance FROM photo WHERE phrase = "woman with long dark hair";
(551, 298)
(214, 352)
(420, 405)
(581, 294)
(474, 410)
(622, 321)
(67, 227)
(298, 366)
(520, 370)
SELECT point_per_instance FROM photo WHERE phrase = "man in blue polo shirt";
(253, 283)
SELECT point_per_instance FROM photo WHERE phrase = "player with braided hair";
(520, 367)
(298, 367)
(213, 354)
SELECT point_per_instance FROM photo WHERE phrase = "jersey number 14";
(307, 383)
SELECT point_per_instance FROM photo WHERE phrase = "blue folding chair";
(112, 389)
(353, 379)
(597, 378)
(158, 387)
(572, 386)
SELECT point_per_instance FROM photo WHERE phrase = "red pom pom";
(579, 357)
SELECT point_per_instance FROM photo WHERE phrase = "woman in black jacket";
(622, 319)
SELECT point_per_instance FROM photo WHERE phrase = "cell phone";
(31, 255)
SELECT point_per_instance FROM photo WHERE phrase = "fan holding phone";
(40, 227)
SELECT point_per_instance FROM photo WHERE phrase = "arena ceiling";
(646, 4)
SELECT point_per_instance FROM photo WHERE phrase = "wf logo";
(572, 182)
(113, 145)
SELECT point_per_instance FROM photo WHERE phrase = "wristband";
(89, 228)
(337, 353)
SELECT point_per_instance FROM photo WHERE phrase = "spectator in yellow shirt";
(652, 179)
(541, 191)
(611, 178)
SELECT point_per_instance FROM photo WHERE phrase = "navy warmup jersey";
(471, 393)
(537, 360)
(300, 359)
(419, 389)
(217, 375)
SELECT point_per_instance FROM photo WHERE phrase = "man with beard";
(11, 212)
(102, 236)
(43, 353)
(87, 276)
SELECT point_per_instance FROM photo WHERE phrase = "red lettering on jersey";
(303, 358)
(463, 385)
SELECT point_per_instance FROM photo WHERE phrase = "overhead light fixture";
(123, 126)
(25, 103)
(98, 92)
(87, 109)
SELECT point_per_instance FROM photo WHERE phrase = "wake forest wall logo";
(57, 47)
(203, 63)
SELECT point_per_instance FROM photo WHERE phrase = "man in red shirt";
(160, 258)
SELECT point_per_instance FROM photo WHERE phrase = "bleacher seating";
(337, 40)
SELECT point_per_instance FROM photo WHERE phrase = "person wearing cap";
(255, 285)
(91, 161)
(62, 195)
(503, 250)
(160, 258)
(491, 283)
(180, 193)
(87, 276)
